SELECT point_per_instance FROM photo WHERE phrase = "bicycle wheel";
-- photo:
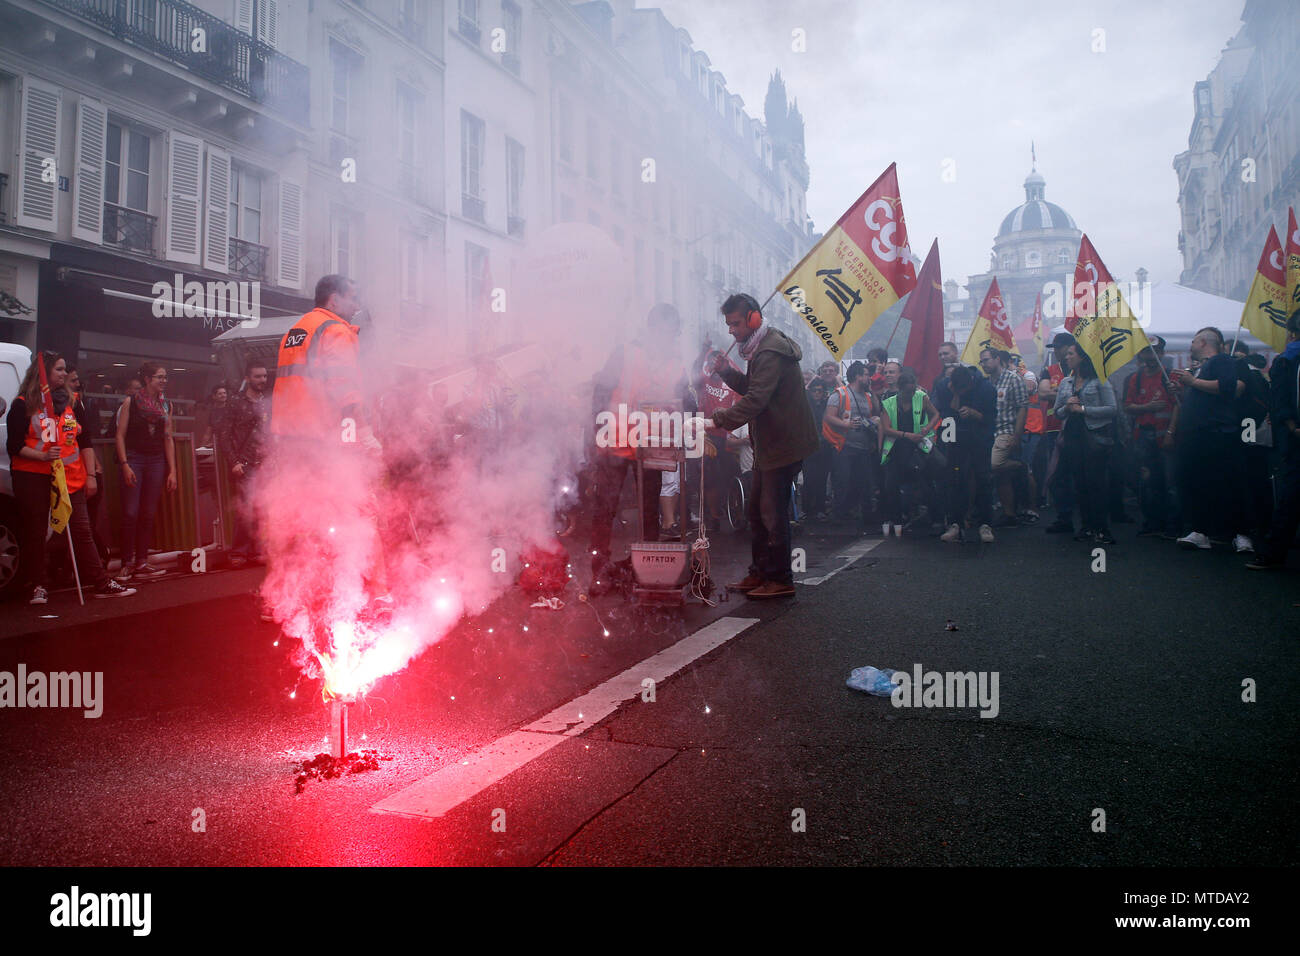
(736, 504)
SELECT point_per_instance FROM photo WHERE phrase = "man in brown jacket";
(772, 399)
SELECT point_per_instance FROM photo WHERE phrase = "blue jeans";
(140, 505)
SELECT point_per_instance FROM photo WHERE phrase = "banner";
(992, 328)
(1100, 320)
(924, 309)
(1266, 310)
(860, 268)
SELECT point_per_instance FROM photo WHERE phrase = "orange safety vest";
(68, 428)
(642, 380)
(841, 395)
(310, 395)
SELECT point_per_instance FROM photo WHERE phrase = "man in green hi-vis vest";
(909, 454)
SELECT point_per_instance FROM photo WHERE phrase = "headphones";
(755, 318)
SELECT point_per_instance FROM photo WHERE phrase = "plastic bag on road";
(873, 681)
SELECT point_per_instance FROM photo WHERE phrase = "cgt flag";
(1293, 260)
(859, 269)
(1032, 328)
(1266, 310)
(1100, 320)
(992, 328)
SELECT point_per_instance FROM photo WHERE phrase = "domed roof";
(1036, 212)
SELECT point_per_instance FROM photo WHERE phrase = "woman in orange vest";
(38, 436)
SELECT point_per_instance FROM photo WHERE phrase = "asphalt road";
(1118, 691)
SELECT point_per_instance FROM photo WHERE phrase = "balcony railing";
(129, 229)
(469, 30)
(233, 59)
(471, 207)
(248, 259)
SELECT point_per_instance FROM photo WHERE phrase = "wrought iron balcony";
(248, 259)
(471, 207)
(233, 59)
(129, 229)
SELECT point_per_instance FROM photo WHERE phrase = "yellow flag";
(860, 268)
(1100, 320)
(60, 500)
(1266, 309)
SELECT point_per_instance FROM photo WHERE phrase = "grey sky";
(918, 83)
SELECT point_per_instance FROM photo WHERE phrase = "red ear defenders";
(755, 318)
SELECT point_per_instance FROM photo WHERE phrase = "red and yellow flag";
(60, 500)
(1266, 309)
(992, 328)
(1293, 260)
(860, 268)
(1100, 320)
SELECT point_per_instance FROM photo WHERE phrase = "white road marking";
(451, 786)
(851, 554)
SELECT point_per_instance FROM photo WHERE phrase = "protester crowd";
(1201, 455)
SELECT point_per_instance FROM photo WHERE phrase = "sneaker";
(1243, 544)
(1194, 540)
(952, 534)
(1060, 527)
(111, 589)
(773, 589)
(986, 534)
(1029, 516)
(124, 574)
(750, 583)
(147, 571)
(671, 533)
(1264, 564)
(39, 596)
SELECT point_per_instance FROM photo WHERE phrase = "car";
(14, 362)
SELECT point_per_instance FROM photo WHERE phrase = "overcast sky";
(920, 82)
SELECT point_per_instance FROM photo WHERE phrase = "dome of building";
(1035, 213)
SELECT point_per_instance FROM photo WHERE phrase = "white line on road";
(851, 554)
(451, 786)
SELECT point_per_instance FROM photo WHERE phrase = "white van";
(14, 362)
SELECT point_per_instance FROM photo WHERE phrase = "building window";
(514, 187)
(1033, 259)
(343, 70)
(126, 167)
(344, 262)
(1063, 257)
(593, 149)
(513, 20)
(467, 20)
(409, 107)
(1007, 262)
(564, 128)
(410, 20)
(472, 133)
(615, 168)
(476, 282)
(245, 204)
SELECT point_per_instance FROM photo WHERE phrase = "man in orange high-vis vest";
(317, 415)
(317, 392)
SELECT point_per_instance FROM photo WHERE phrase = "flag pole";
(76, 574)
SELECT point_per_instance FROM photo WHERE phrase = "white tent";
(1175, 312)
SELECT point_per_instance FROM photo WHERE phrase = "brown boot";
(773, 589)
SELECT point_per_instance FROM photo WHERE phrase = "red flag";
(1032, 328)
(992, 328)
(1088, 273)
(924, 309)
